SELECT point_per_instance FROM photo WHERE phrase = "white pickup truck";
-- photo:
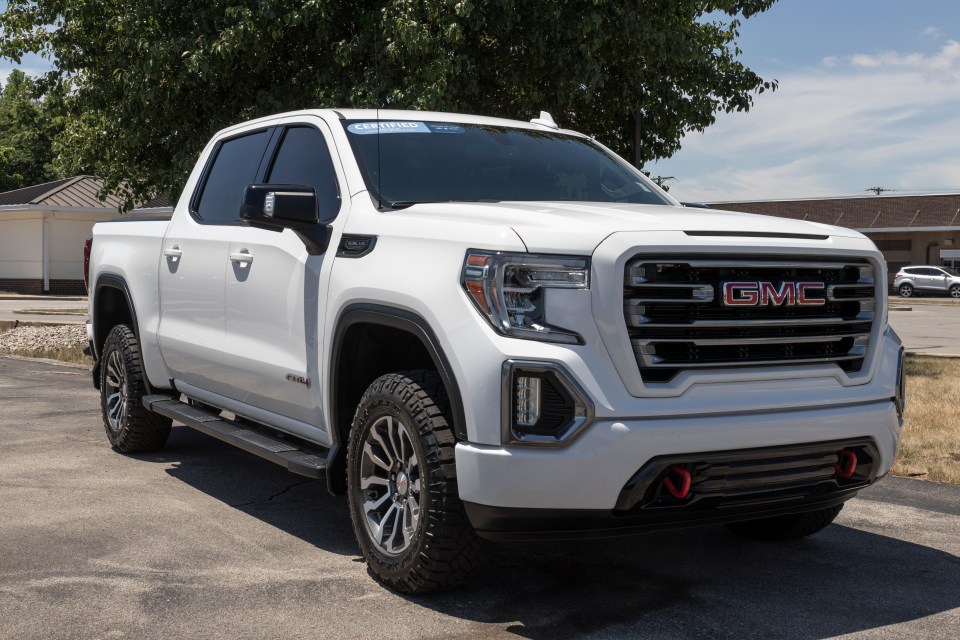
(482, 328)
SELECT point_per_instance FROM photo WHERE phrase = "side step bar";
(306, 462)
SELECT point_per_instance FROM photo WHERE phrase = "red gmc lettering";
(803, 287)
(740, 294)
(770, 295)
(759, 293)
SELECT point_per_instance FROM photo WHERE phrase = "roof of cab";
(396, 114)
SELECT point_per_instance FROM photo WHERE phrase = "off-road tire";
(443, 548)
(786, 527)
(136, 430)
(905, 290)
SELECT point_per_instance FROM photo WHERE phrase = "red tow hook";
(847, 464)
(683, 479)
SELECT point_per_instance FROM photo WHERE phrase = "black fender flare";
(412, 323)
(113, 281)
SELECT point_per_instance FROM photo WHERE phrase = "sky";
(869, 96)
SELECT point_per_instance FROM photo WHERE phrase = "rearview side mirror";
(276, 207)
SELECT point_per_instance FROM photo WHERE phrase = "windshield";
(951, 272)
(456, 162)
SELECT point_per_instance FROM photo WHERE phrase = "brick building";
(914, 229)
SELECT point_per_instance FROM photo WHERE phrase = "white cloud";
(30, 71)
(934, 33)
(889, 119)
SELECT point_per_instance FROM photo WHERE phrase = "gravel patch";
(43, 337)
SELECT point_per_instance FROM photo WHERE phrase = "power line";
(878, 190)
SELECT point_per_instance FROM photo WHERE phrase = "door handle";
(243, 257)
(173, 252)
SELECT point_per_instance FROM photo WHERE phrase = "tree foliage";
(150, 80)
(27, 129)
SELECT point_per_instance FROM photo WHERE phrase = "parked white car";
(482, 327)
(914, 281)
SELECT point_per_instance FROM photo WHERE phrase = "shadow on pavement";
(677, 584)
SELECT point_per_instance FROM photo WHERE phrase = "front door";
(275, 296)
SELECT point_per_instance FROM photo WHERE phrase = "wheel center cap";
(403, 484)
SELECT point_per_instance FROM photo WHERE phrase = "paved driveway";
(928, 328)
(205, 541)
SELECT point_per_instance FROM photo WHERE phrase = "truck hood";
(578, 227)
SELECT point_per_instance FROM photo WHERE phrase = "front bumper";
(590, 487)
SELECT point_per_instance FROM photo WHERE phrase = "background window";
(303, 158)
(234, 168)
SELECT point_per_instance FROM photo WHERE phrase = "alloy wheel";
(390, 485)
(116, 391)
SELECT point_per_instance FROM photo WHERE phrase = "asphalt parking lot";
(205, 541)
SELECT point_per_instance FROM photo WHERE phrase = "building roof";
(159, 202)
(78, 191)
(862, 212)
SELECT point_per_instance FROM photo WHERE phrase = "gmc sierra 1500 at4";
(481, 328)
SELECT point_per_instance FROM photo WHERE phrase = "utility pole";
(661, 179)
(878, 190)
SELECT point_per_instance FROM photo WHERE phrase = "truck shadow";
(677, 584)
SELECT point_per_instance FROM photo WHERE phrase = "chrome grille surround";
(676, 319)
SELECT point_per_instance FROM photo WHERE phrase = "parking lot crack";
(271, 498)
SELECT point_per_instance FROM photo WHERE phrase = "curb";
(7, 296)
(946, 356)
(71, 365)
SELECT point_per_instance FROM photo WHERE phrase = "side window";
(234, 168)
(303, 158)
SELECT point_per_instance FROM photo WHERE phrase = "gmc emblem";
(762, 294)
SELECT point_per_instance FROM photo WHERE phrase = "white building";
(42, 232)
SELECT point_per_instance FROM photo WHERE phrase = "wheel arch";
(112, 305)
(369, 341)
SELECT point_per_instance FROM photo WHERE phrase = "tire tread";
(144, 430)
(451, 548)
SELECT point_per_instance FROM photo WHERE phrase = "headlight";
(508, 289)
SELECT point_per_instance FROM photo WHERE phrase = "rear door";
(927, 278)
(275, 296)
(195, 261)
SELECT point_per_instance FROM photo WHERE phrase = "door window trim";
(273, 151)
(212, 158)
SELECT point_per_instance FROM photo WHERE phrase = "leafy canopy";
(27, 129)
(149, 81)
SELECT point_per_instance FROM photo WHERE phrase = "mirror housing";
(276, 207)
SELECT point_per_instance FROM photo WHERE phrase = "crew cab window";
(234, 167)
(303, 158)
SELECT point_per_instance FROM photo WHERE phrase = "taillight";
(86, 263)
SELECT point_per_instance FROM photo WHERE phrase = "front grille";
(678, 320)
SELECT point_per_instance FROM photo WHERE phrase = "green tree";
(150, 81)
(27, 129)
